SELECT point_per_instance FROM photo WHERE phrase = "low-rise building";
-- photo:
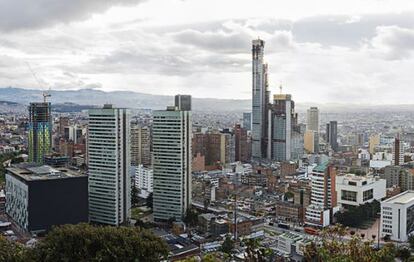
(144, 180)
(38, 198)
(397, 216)
(289, 212)
(353, 190)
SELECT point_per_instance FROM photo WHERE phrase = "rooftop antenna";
(45, 93)
(280, 88)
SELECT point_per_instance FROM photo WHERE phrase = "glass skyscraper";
(40, 131)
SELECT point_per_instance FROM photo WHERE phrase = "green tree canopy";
(335, 248)
(84, 242)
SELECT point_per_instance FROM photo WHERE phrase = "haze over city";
(320, 51)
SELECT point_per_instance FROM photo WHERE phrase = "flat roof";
(403, 198)
(45, 172)
(321, 167)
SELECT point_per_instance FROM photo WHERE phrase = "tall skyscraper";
(140, 145)
(183, 102)
(172, 130)
(312, 118)
(332, 134)
(282, 122)
(398, 152)
(40, 131)
(108, 165)
(260, 100)
(247, 121)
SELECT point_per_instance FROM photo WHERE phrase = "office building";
(311, 141)
(217, 147)
(323, 196)
(332, 135)
(247, 121)
(172, 130)
(397, 216)
(260, 100)
(140, 145)
(183, 102)
(281, 128)
(144, 180)
(39, 197)
(398, 152)
(109, 165)
(40, 131)
(355, 190)
(312, 119)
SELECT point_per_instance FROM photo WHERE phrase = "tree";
(411, 241)
(403, 253)
(134, 196)
(334, 248)
(228, 245)
(84, 242)
(11, 251)
(191, 217)
(149, 200)
(255, 252)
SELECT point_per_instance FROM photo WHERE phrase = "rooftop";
(403, 198)
(33, 173)
(321, 167)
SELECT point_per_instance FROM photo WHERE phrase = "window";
(367, 195)
(352, 183)
(348, 195)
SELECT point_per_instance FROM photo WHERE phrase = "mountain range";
(84, 98)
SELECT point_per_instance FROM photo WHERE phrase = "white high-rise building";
(172, 129)
(108, 165)
(323, 196)
(312, 118)
(144, 180)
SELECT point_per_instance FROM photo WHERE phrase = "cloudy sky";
(348, 51)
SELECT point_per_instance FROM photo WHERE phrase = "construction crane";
(45, 94)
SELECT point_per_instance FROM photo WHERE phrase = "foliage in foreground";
(84, 242)
(335, 248)
(357, 216)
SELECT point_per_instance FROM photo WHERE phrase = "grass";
(137, 213)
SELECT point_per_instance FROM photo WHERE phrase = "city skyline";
(340, 52)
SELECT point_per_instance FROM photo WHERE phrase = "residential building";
(39, 197)
(397, 216)
(374, 141)
(399, 176)
(109, 165)
(172, 130)
(140, 145)
(144, 180)
(398, 152)
(40, 131)
(241, 144)
(288, 211)
(323, 196)
(353, 190)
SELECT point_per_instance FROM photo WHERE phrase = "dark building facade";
(332, 134)
(183, 102)
(38, 198)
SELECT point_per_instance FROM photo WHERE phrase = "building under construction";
(40, 131)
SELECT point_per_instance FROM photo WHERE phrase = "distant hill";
(76, 100)
(119, 98)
